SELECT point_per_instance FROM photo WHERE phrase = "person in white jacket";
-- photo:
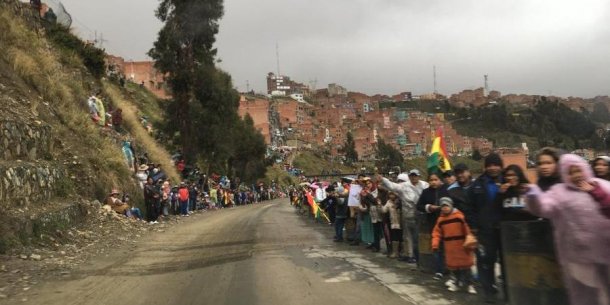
(408, 187)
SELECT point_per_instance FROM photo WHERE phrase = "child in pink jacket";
(580, 228)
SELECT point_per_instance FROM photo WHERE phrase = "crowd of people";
(162, 200)
(464, 217)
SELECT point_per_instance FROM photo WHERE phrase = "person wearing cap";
(459, 191)
(448, 178)
(418, 184)
(451, 228)
(409, 195)
(485, 221)
(601, 167)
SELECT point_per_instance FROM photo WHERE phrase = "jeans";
(339, 223)
(487, 256)
(184, 207)
(136, 212)
(439, 259)
(377, 231)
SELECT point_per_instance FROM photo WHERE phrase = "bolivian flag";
(438, 161)
(315, 208)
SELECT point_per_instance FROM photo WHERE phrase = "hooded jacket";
(407, 193)
(581, 232)
(452, 230)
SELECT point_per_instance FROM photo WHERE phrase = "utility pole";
(247, 86)
(434, 76)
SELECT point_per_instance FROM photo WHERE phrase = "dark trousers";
(463, 277)
(439, 259)
(184, 207)
(377, 235)
(396, 235)
(487, 256)
(339, 223)
(152, 212)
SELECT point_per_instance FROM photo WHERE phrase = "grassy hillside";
(313, 164)
(56, 76)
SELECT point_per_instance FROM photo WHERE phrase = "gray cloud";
(387, 46)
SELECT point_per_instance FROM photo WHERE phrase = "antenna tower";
(277, 56)
(486, 84)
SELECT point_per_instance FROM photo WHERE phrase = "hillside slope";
(54, 157)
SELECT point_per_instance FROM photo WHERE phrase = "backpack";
(183, 194)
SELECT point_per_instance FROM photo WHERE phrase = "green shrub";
(93, 57)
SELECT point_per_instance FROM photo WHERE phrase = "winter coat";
(341, 208)
(394, 211)
(408, 196)
(151, 194)
(581, 232)
(461, 199)
(452, 230)
(429, 196)
(485, 214)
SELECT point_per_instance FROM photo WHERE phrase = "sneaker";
(452, 287)
(471, 289)
(450, 282)
(438, 276)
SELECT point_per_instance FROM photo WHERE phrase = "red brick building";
(142, 73)
(258, 109)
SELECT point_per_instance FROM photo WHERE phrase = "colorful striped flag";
(438, 160)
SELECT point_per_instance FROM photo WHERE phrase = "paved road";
(260, 254)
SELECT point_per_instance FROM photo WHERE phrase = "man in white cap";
(408, 187)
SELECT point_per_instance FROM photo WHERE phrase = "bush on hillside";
(93, 57)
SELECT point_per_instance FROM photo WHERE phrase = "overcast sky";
(559, 47)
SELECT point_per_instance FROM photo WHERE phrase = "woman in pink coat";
(581, 230)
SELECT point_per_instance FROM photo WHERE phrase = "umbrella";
(348, 178)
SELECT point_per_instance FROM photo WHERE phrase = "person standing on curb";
(485, 222)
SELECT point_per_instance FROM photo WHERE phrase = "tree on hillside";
(349, 150)
(387, 156)
(203, 111)
(184, 50)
